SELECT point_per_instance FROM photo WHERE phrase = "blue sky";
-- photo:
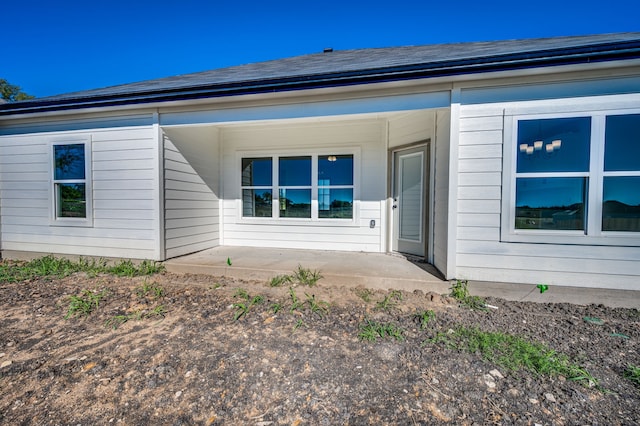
(53, 47)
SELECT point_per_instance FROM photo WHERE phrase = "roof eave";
(525, 60)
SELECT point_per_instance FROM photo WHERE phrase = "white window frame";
(314, 219)
(86, 221)
(594, 235)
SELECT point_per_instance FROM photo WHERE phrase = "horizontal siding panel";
(78, 232)
(40, 158)
(131, 194)
(480, 179)
(51, 240)
(309, 238)
(24, 167)
(186, 186)
(131, 154)
(315, 228)
(22, 185)
(473, 219)
(118, 213)
(21, 211)
(492, 122)
(481, 138)
(122, 145)
(622, 282)
(186, 204)
(123, 165)
(478, 233)
(124, 204)
(550, 264)
(478, 206)
(172, 175)
(192, 230)
(7, 150)
(479, 193)
(479, 165)
(305, 245)
(147, 174)
(139, 224)
(30, 194)
(192, 195)
(25, 176)
(124, 135)
(178, 167)
(631, 254)
(38, 203)
(191, 221)
(191, 213)
(480, 151)
(191, 240)
(124, 185)
(116, 252)
(190, 248)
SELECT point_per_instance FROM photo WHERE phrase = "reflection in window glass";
(553, 145)
(295, 202)
(294, 171)
(257, 202)
(551, 203)
(71, 200)
(335, 203)
(69, 162)
(622, 143)
(335, 170)
(621, 204)
(256, 172)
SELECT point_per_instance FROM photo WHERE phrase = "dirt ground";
(166, 350)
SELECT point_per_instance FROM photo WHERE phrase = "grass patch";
(152, 290)
(389, 301)
(84, 304)
(117, 320)
(460, 292)
(373, 330)
(60, 267)
(515, 353)
(632, 373)
(280, 280)
(364, 294)
(424, 318)
(242, 308)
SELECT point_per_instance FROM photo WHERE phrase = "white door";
(409, 200)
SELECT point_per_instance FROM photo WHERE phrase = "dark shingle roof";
(351, 67)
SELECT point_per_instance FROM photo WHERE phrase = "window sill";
(622, 239)
(299, 222)
(63, 222)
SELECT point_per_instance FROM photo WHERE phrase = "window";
(71, 201)
(575, 180)
(305, 186)
(621, 185)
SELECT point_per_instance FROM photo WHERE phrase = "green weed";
(126, 268)
(460, 292)
(372, 330)
(306, 276)
(299, 323)
(153, 289)
(514, 353)
(118, 320)
(295, 302)
(84, 304)
(424, 318)
(242, 308)
(364, 294)
(280, 280)
(633, 374)
(276, 307)
(318, 307)
(389, 301)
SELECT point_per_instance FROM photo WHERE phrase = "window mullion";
(314, 187)
(594, 202)
(275, 192)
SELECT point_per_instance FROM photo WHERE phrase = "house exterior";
(512, 161)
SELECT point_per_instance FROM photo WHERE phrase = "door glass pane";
(295, 202)
(551, 203)
(294, 171)
(335, 203)
(622, 143)
(335, 169)
(410, 200)
(69, 161)
(256, 172)
(71, 200)
(257, 202)
(554, 145)
(621, 204)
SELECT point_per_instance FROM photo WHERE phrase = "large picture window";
(576, 176)
(298, 187)
(71, 202)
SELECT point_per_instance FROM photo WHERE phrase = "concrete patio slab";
(377, 271)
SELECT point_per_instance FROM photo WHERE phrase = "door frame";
(427, 226)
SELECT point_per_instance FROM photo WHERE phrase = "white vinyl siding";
(364, 138)
(191, 206)
(124, 178)
(481, 254)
